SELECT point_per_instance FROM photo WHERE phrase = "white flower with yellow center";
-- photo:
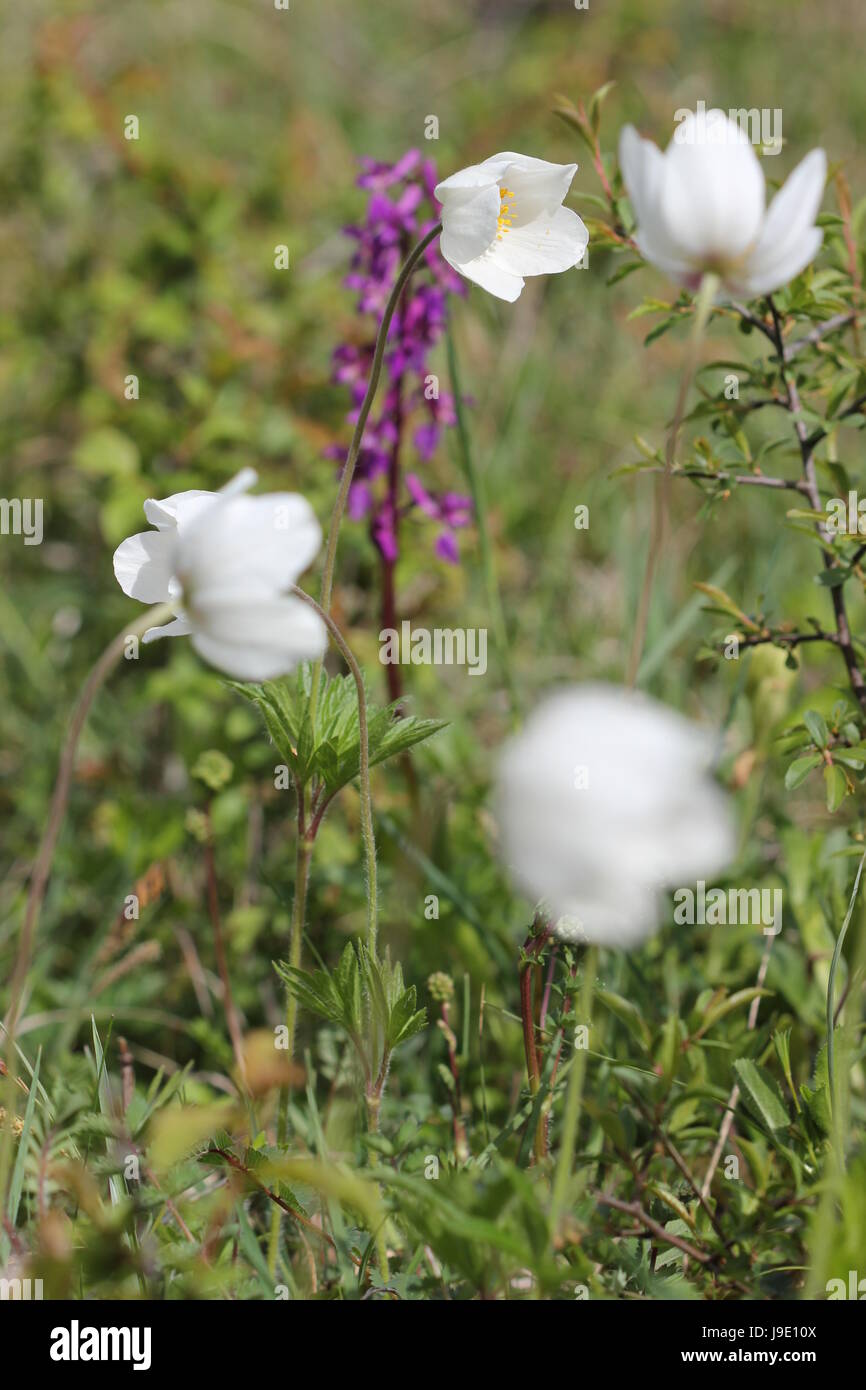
(504, 219)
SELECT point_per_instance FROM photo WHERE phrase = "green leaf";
(762, 1092)
(330, 755)
(800, 768)
(725, 1006)
(724, 601)
(836, 786)
(817, 727)
(628, 1014)
(596, 103)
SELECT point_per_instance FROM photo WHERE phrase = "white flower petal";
(783, 270)
(546, 246)
(622, 919)
(473, 176)
(178, 627)
(713, 192)
(143, 566)
(258, 638)
(469, 218)
(787, 237)
(267, 540)
(490, 272)
(643, 171)
(538, 187)
(176, 510)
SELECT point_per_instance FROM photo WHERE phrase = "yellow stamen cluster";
(503, 221)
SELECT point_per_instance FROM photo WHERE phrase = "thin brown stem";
(532, 948)
(807, 447)
(636, 1210)
(734, 1097)
(756, 479)
(358, 435)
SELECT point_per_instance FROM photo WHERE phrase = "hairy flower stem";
(45, 856)
(303, 855)
(573, 1095)
(364, 768)
(461, 1143)
(355, 446)
(479, 504)
(532, 948)
(661, 494)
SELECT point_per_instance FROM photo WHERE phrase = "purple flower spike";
(411, 411)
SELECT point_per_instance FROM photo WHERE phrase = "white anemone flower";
(224, 561)
(604, 799)
(700, 207)
(504, 219)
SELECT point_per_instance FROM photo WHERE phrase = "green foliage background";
(155, 257)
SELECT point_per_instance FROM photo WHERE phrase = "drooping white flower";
(604, 799)
(504, 219)
(225, 561)
(700, 207)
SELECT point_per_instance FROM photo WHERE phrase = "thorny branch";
(807, 452)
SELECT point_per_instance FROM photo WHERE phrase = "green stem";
(661, 496)
(355, 447)
(831, 1001)
(573, 1095)
(479, 501)
(364, 767)
(303, 855)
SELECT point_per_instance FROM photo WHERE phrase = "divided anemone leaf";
(331, 754)
(365, 995)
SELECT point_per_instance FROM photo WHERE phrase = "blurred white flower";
(225, 561)
(504, 219)
(700, 206)
(603, 799)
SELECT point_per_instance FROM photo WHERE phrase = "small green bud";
(196, 824)
(441, 986)
(214, 769)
